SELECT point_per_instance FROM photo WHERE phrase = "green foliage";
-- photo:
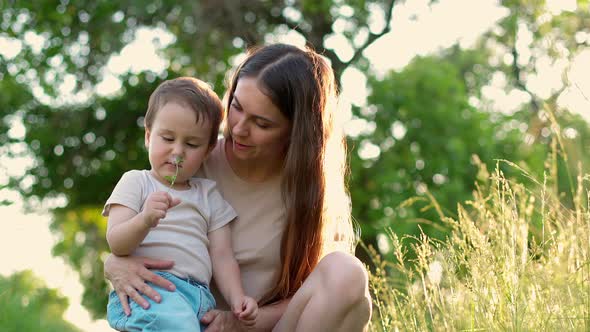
(27, 305)
(439, 104)
(83, 244)
(87, 146)
(426, 132)
(552, 37)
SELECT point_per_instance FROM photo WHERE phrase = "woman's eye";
(262, 125)
(167, 139)
(192, 145)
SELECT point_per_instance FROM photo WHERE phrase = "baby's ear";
(147, 137)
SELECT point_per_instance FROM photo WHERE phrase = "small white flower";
(175, 160)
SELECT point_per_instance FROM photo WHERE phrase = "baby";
(167, 213)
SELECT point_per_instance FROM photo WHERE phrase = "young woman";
(281, 166)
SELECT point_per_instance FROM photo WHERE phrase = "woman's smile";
(241, 147)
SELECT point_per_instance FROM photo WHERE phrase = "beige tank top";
(258, 229)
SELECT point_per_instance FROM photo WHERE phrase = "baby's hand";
(247, 311)
(155, 207)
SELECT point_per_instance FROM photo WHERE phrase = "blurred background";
(425, 86)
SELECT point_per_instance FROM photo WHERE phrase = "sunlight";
(142, 53)
(368, 150)
(354, 86)
(341, 46)
(557, 6)
(282, 35)
(357, 126)
(34, 254)
(577, 97)
(419, 30)
(547, 79)
(9, 47)
(35, 41)
(109, 85)
(398, 130)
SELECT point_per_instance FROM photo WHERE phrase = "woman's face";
(258, 129)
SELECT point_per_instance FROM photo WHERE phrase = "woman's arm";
(129, 276)
(268, 316)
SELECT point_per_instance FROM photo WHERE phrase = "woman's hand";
(222, 321)
(129, 276)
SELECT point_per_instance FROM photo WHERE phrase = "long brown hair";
(301, 84)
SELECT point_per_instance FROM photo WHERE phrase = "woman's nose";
(240, 127)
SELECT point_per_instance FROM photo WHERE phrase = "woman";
(281, 166)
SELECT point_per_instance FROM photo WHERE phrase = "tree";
(82, 146)
(425, 135)
(442, 115)
(27, 305)
(533, 40)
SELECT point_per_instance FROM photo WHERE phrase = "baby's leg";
(173, 313)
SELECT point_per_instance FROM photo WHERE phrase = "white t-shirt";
(182, 235)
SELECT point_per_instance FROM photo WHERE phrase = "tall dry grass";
(517, 259)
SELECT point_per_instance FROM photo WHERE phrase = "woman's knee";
(345, 276)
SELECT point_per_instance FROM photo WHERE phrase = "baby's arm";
(227, 275)
(127, 228)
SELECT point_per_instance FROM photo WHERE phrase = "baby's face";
(176, 139)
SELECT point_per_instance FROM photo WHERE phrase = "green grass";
(516, 259)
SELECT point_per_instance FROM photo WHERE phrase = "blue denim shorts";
(180, 310)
